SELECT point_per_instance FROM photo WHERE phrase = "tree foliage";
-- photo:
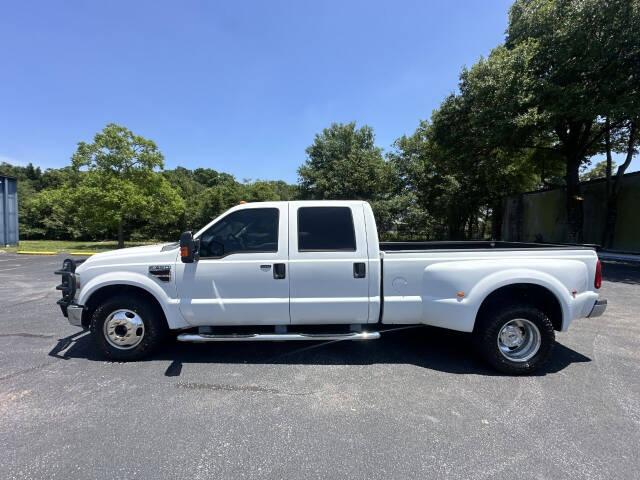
(120, 186)
(598, 171)
(581, 79)
(343, 163)
(117, 181)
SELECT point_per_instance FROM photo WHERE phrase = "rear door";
(327, 263)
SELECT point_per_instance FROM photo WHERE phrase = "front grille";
(68, 283)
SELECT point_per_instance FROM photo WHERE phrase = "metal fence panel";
(8, 211)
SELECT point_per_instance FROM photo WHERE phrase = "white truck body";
(442, 285)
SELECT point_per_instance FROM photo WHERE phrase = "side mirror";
(189, 248)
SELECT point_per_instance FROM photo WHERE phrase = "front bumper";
(598, 308)
(68, 288)
(74, 314)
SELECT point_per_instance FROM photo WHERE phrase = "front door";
(328, 263)
(242, 276)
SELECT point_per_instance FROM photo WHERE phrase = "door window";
(325, 229)
(243, 231)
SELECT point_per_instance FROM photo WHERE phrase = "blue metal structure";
(8, 211)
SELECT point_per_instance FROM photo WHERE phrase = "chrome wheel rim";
(519, 340)
(124, 329)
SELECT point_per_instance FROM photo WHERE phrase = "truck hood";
(144, 254)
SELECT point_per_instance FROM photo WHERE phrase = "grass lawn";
(69, 246)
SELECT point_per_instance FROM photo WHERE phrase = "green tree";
(122, 186)
(344, 163)
(215, 200)
(581, 67)
(598, 171)
(50, 214)
(260, 191)
(455, 165)
(285, 191)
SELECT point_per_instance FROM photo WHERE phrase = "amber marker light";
(460, 294)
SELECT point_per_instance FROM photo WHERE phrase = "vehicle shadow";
(619, 271)
(427, 347)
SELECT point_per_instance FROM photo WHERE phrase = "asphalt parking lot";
(414, 404)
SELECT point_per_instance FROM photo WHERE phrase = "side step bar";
(258, 337)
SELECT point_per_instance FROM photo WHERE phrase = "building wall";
(541, 216)
(8, 211)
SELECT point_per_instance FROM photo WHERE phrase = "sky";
(241, 87)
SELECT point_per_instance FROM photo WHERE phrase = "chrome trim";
(598, 308)
(519, 340)
(258, 337)
(161, 272)
(78, 281)
(74, 315)
(123, 329)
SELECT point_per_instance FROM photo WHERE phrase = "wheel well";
(529, 293)
(103, 293)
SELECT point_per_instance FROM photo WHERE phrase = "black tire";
(487, 333)
(154, 331)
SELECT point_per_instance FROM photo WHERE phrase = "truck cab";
(284, 263)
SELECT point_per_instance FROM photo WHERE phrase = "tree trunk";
(607, 143)
(609, 227)
(575, 136)
(612, 196)
(456, 228)
(120, 235)
(469, 228)
(575, 214)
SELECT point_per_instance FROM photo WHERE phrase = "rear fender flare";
(504, 278)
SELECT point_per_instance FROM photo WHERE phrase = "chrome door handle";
(279, 271)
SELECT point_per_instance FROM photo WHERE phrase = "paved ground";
(415, 404)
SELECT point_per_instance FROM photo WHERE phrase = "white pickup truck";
(315, 270)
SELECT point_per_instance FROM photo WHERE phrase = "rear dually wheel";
(515, 339)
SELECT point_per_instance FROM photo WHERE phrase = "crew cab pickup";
(315, 270)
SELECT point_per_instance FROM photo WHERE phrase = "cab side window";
(325, 229)
(244, 231)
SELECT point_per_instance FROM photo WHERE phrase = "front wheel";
(516, 339)
(127, 327)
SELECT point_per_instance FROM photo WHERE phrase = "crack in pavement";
(26, 370)
(228, 388)
(26, 335)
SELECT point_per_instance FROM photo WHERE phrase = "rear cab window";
(325, 229)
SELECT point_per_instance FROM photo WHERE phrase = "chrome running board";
(259, 337)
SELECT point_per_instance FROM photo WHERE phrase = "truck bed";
(444, 283)
(470, 245)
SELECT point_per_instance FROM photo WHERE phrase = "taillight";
(597, 282)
